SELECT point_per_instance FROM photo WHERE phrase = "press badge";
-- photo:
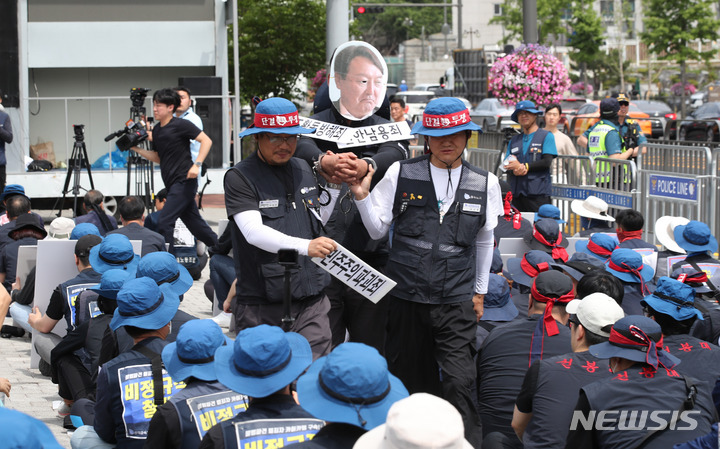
(267, 204)
(468, 207)
(514, 150)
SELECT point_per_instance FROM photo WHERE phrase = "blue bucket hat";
(110, 283)
(695, 237)
(646, 346)
(444, 116)
(21, 431)
(12, 189)
(141, 303)
(599, 245)
(114, 253)
(549, 211)
(276, 116)
(262, 361)
(524, 269)
(525, 105)
(673, 298)
(627, 265)
(497, 304)
(84, 229)
(351, 385)
(192, 354)
(165, 270)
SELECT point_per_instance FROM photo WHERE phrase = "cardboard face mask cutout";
(358, 80)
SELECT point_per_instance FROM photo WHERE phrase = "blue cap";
(351, 385)
(141, 303)
(549, 230)
(164, 268)
(628, 259)
(549, 211)
(525, 105)
(497, 305)
(444, 116)
(695, 237)
(262, 361)
(192, 354)
(12, 189)
(276, 116)
(110, 283)
(605, 241)
(115, 252)
(645, 333)
(609, 107)
(536, 260)
(84, 229)
(672, 297)
(20, 431)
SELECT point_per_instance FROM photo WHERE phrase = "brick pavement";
(33, 393)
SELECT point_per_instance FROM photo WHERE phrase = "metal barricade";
(484, 158)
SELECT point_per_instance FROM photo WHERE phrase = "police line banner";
(275, 433)
(356, 274)
(346, 137)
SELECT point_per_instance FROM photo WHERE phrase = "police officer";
(630, 398)
(630, 130)
(273, 202)
(604, 140)
(262, 363)
(184, 420)
(444, 211)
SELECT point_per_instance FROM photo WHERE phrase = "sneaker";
(64, 410)
(222, 319)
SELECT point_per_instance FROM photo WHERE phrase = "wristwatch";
(199, 164)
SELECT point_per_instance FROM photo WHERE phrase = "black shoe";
(11, 331)
(45, 368)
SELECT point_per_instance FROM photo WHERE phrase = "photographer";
(171, 141)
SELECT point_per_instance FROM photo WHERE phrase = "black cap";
(85, 244)
(553, 284)
(609, 107)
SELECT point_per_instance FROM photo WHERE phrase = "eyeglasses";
(277, 140)
(624, 103)
(573, 319)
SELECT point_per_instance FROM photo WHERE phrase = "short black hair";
(183, 89)
(17, 205)
(93, 197)
(167, 96)
(347, 54)
(669, 325)
(600, 281)
(591, 338)
(630, 220)
(161, 195)
(398, 100)
(552, 106)
(131, 208)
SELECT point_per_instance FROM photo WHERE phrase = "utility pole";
(337, 29)
(530, 31)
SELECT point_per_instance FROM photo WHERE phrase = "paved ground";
(32, 393)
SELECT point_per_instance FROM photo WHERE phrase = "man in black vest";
(543, 408)
(528, 159)
(274, 203)
(626, 409)
(263, 363)
(443, 210)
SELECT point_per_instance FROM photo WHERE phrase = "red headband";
(695, 278)
(651, 353)
(597, 249)
(276, 120)
(531, 270)
(558, 252)
(548, 320)
(448, 120)
(628, 269)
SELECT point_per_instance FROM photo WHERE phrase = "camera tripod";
(139, 168)
(78, 158)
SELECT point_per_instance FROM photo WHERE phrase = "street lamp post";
(471, 32)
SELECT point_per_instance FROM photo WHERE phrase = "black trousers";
(530, 203)
(74, 380)
(430, 348)
(181, 204)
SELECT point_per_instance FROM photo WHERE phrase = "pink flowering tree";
(317, 81)
(530, 73)
(677, 89)
(580, 88)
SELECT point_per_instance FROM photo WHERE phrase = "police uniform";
(530, 148)
(603, 141)
(632, 134)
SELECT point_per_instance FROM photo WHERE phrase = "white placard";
(356, 274)
(346, 137)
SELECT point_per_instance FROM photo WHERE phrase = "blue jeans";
(20, 314)
(222, 275)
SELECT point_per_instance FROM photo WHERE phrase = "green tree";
(673, 28)
(550, 14)
(278, 40)
(585, 36)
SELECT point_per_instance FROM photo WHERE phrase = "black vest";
(700, 359)
(71, 290)
(201, 405)
(261, 274)
(434, 262)
(534, 183)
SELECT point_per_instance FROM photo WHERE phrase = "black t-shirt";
(172, 143)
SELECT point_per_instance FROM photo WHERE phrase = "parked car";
(427, 86)
(702, 124)
(415, 100)
(589, 114)
(659, 112)
(489, 111)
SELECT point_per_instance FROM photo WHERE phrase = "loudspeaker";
(209, 110)
(9, 64)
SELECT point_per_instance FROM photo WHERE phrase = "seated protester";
(672, 252)
(420, 421)
(549, 211)
(710, 440)
(151, 221)
(25, 233)
(122, 412)
(84, 229)
(510, 223)
(642, 368)
(23, 431)
(497, 309)
(672, 306)
(222, 274)
(522, 272)
(184, 419)
(11, 191)
(95, 213)
(262, 363)
(17, 206)
(62, 301)
(60, 229)
(351, 390)
(577, 268)
(546, 236)
(543, 410)
(636, 277)
(132, 215)
(598, 245)
(115, 252)
(594, 216)
(509, 350)
(600, 281)
(629, 224)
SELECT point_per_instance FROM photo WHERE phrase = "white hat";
(420, 421)
(591, 207)
(597, 312)
(664, 231)
(60, 228)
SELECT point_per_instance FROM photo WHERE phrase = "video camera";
(138, 95)
(80, 133)
(132, 135)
